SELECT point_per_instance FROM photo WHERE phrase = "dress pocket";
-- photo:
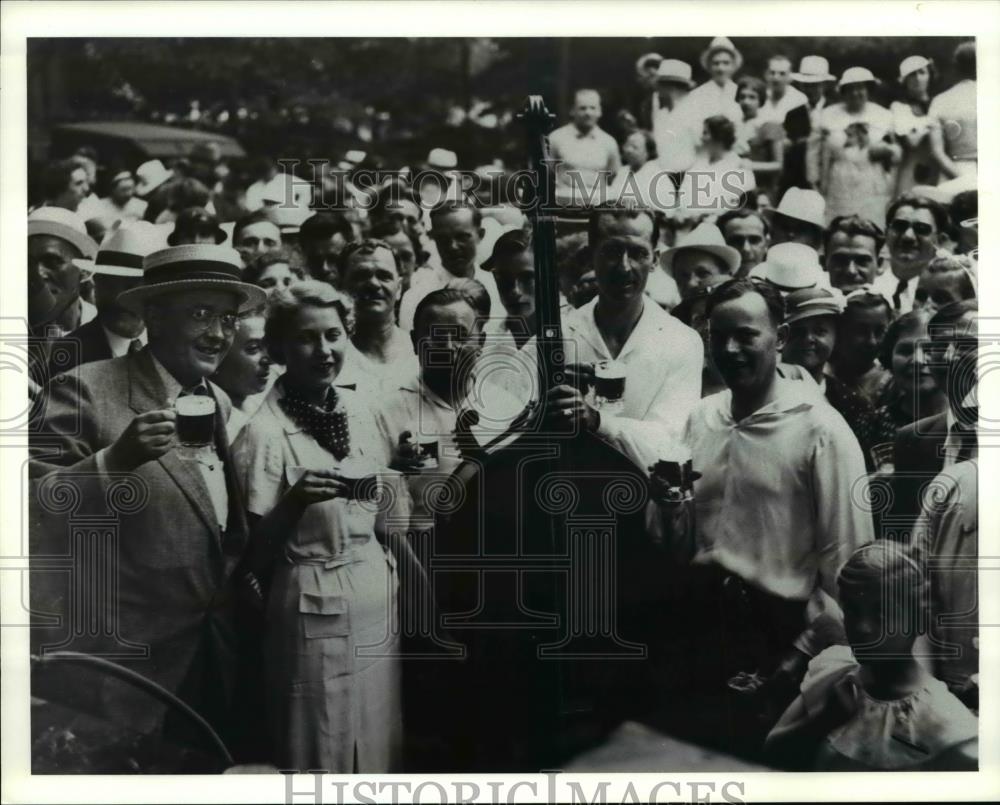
(324, 615)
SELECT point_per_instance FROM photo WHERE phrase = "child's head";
(882, 594)
(811, 315)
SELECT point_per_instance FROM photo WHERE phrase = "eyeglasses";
(899, 226)
(204, 317)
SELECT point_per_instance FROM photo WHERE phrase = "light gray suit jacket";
(173, 568)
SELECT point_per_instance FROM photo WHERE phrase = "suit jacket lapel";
(147, 393)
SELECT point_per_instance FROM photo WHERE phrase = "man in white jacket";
(662, 357)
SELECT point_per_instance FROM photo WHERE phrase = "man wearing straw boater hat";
(56, 239)
(115, 422)
(115, 331)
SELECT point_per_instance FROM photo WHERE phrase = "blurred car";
(131, 142)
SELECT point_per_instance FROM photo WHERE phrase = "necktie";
(897, 299)
(134, 346)
(201, 390)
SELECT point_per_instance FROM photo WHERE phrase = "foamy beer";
(195, 420)
(609, 385)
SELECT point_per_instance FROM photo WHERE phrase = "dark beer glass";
(195, 422)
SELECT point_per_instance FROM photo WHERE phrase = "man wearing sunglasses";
(913, 235)
(180, 522)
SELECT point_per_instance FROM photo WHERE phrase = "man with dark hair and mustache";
(662, 358)
(777, 516)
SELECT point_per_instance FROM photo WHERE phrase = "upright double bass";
(542, 568)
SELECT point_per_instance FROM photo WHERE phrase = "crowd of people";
(786, 279)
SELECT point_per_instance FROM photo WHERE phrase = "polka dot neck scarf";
(327, 424)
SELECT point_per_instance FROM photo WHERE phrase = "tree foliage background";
(311, 93)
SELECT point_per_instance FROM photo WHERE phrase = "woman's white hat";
(911, 64)
(193, 267)
(857, 75)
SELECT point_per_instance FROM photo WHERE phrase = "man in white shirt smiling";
(778, 508)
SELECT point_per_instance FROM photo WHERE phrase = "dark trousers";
(730, 626)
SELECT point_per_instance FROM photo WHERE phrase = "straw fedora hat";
(149, 176)
(123, 250)
(791, 267)
(64, 224)
(722, 43)
(674, 71)
(802, 205)
(813, 70)
(705, 237)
